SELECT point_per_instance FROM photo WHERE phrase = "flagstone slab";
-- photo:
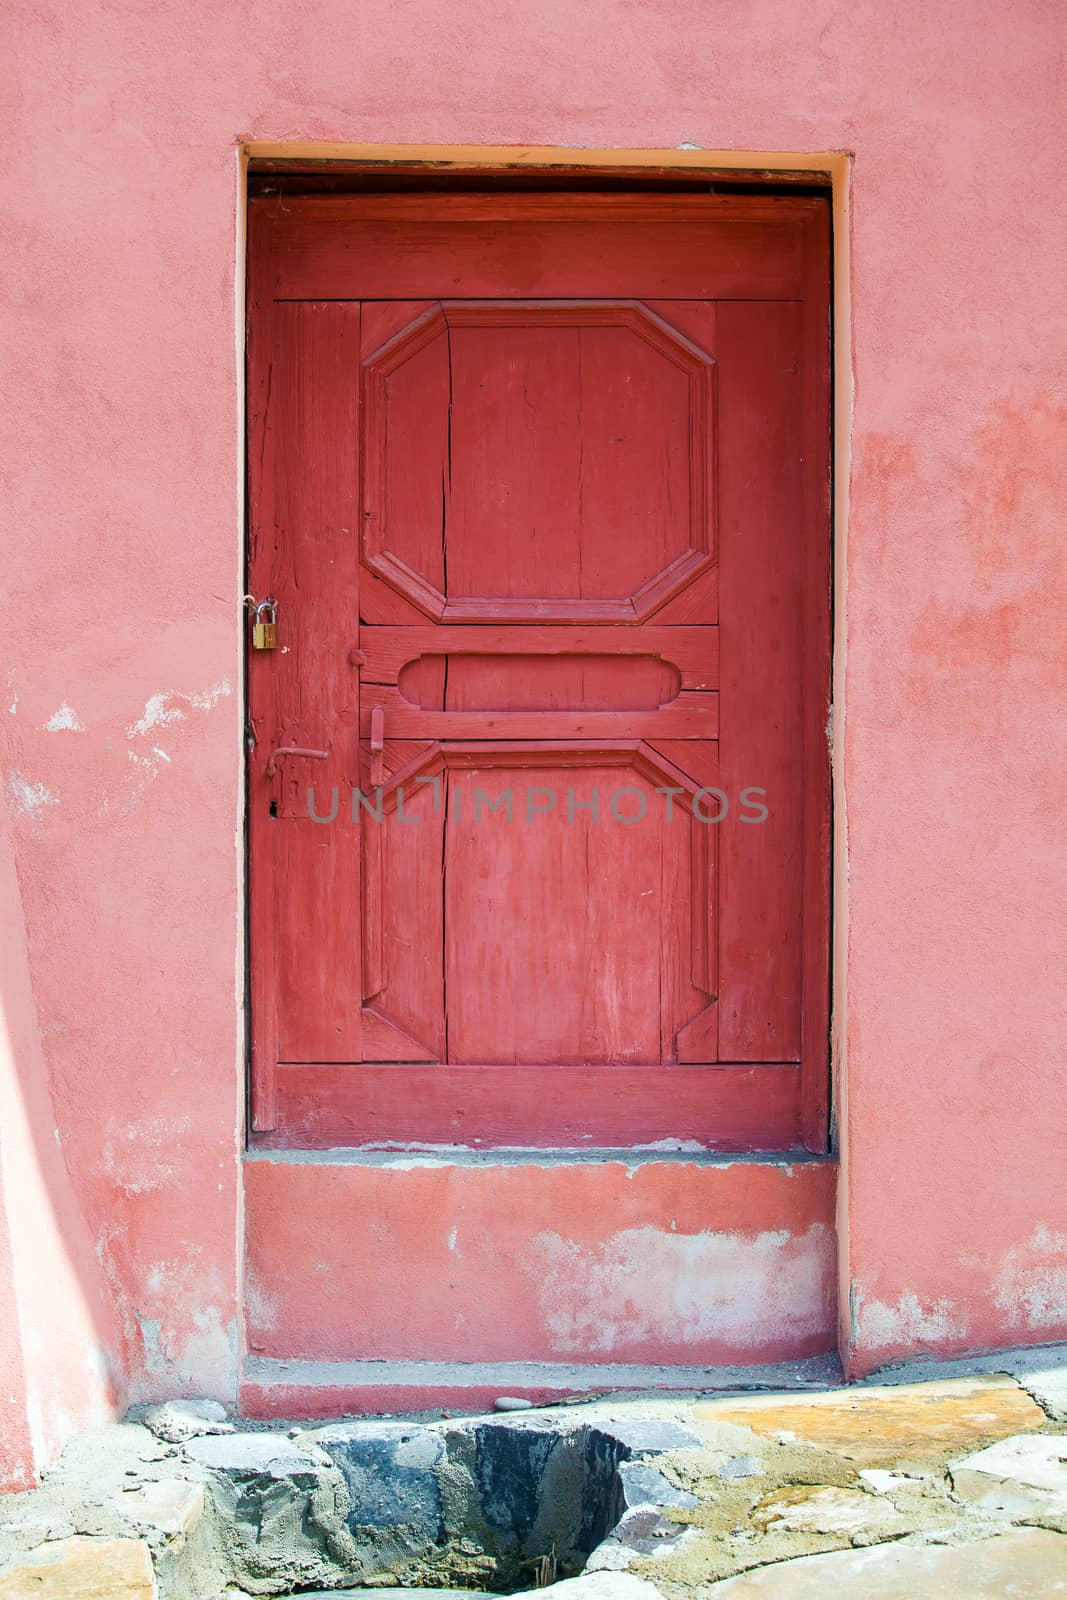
(878, 1425)
(886, 1482)
(82, 1569)
(1025, 1476)
(1050, 1390)
(1044, 1373)
(828, 1509)
(1027, 1564)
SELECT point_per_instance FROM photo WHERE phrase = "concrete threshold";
(275, 1390)
(814, 1372)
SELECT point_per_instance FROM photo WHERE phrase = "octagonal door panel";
(526, 461)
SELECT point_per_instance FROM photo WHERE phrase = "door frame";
(405, 166)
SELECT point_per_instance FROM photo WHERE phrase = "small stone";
(883, 1482)
(175, 1421)
(512, 1402)
(644, 1486)
(643, 1529)
(82, 1569)
(742, 1467)
(610, 1556)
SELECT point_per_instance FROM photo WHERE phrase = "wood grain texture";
(761, 597)
(690, 715)
(303, 551)
(693, 650)
(816, 656)
(471, 410)
(546, 516)
(720, 1108)
(663, 247)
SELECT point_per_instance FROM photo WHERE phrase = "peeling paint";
(261, 1307)
(1031, 1286)
(576, 1261)
(125, 1147)
(26, 799)
(150, 762)
(156, 1361)
(909, 1324)
(162, 709)
(191, 1345)
(648, 1283)
(64, 720)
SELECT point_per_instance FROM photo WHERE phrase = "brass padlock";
(265, 634)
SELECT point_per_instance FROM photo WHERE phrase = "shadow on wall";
(59, 1334)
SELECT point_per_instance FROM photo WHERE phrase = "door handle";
(292, 750)
(377, 745)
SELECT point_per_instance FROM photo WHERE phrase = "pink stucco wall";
(59, 1347)
(120, 711)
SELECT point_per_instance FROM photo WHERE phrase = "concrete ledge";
(273, 1390)
(403, 1157)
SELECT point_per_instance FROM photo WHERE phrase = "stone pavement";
(950, 1487)
(922, 1487)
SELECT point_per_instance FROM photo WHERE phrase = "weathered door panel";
(557, 554)
(304, 877)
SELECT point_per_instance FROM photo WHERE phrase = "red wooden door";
(539, 485)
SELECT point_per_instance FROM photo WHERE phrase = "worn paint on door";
(539, 485)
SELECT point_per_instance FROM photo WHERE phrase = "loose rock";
(175, 1421)
(641, 1485)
